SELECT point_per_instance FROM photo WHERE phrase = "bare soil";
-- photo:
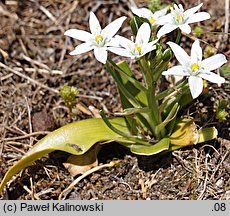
(35, 64)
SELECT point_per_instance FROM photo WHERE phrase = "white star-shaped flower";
(195, 68)
(140, 47)
(178, 18)
(98, 40)
(148, 14)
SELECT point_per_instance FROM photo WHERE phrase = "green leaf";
(185, 133)
(172, 114)
(225, 71)
(132, 96)
(162, 145)
(206, 134)
(124, 92)
(75, 138)
(131, 111)
(136, 22)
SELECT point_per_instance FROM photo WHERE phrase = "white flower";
(136, 49)
(99, 39)
(148, 14)
(178, 18)
(195, 68)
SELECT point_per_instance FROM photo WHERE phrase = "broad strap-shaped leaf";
(75, 138)
(205, 134)
(185, 133)
(160, 146)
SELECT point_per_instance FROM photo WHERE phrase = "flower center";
(137, 49)
(179, 19)
(195, 67)
(152, 21)
(99, 39)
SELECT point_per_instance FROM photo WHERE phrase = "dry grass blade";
(72, 185)
(28, 78)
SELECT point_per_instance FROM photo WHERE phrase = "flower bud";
(167, 55)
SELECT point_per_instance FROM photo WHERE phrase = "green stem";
(151, 98)
(178, 36)
(167, 92)
(129, 137)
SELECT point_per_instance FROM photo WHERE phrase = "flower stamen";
(179, 19)
(99, 39)
(152, 21)
(137, 49)
(195, 67)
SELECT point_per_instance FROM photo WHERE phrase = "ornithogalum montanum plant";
(151, 121)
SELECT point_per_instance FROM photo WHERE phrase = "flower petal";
(166, 29)
(167, 19)
(94, 24)
(212, 77)
(114, 42)
(160, 13)
(78, 34)
(197, 17)
(192, 10)
(149, 46)
(180, 54)
(101, 54)
(196, 52)
(82, 48)
(142, 12)
(110, 30)
(124, 42)
(195, 86)
(176, 71)
(146, 48)
(185, 28)
(121, 51)
(143, 34)
(214, 62)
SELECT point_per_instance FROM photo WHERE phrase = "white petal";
(110, 30)
(196, 52)
(149, 46)
(185, 28)
(193, 10)
(167, 19)
(142, 12)
(176, 70)
(212, 77)
(94, 24)
(160, 13)
(101, 54)
(114, 42)
(82, 48)
(195, 86)
(146, 48)
(121, 51)
(124, 42)
(78, 34)
(214, 62)
(143, 34)
(166, 29)
(197, 17)
(180, 54)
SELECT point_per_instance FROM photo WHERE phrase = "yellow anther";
(99, 39)
(137, 49)
(179, 18)
(152, 20)
(195, 67)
